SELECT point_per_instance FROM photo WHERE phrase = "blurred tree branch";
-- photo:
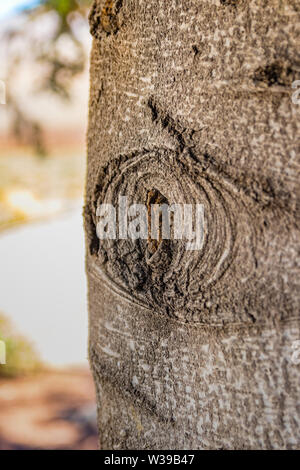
(60, 70)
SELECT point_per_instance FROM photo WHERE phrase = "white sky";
(8, 6)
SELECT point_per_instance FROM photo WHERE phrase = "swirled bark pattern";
(191, 102)
(192, 286)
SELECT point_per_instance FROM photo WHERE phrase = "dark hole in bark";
(276, 73)
(154, 197)
(229, 2)
(195, 49)
(109, 16)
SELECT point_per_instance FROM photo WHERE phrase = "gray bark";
(192, 100)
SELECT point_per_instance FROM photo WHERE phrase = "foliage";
(21, 357)
(60, 70)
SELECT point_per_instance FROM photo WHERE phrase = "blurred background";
(46, 391)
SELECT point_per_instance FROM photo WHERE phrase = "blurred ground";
(53, 410)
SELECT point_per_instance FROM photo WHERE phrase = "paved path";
(43, 286)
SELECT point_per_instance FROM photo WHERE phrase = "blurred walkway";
(43, 286)
(53, 410)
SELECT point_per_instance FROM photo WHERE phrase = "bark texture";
(191, 100)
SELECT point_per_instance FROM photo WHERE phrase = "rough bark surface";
(191, 100)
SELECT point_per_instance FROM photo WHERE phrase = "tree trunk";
(191, 102)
